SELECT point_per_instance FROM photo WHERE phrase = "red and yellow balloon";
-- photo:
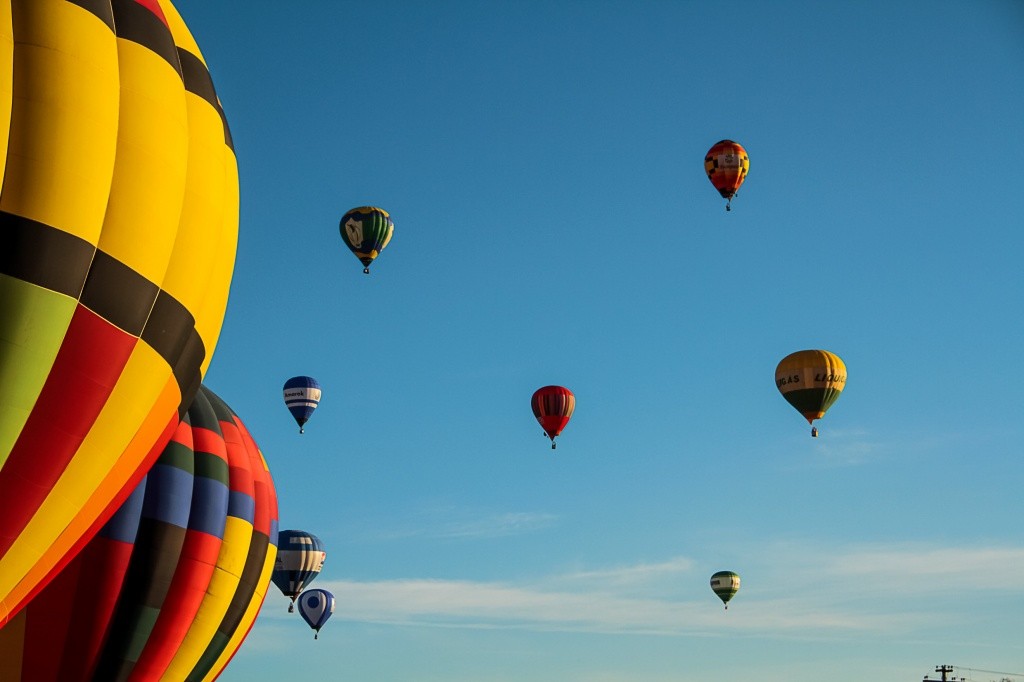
(726, 164)
(118, 229)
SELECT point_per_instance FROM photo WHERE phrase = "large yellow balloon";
(118, 228)
(811, 381)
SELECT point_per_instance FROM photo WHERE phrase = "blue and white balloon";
(316, 606)
(300, 558)
(301, 396)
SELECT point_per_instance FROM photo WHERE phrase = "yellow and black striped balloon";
(118, 229)
(811, 381)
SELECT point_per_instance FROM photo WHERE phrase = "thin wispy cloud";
(818, 593)
(844, 448)
(442, 522)
(495, 525)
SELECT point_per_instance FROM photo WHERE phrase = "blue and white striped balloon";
(316, 606)
(300, 558)
(301, 396)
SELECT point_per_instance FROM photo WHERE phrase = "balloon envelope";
(725, 584)
(118, 228)
(811, 381)
(172, 583)
(726, 164)
(316, 606)
(553, 407)
(300, 558)
(301, 396)
(366, 231)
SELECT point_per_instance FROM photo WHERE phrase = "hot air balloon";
(553, 406)
(172, 583)
(316, 606)
(811, 381)
(118, 229)
(300, 558)
(727, 164)
(301, 396)
(366, 231)
(725, 584)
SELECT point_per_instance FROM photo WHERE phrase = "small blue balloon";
(316, 606)
(301, 396)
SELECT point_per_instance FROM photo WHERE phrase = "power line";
(979, 670)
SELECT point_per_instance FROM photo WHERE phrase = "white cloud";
(927, 569)
(795, 590)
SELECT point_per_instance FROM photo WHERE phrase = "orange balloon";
(726, 164)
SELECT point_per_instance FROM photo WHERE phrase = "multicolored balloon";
(553, 407)
(366, 231)
(316, 606)
(811, 381)
(300, 558)
(301, 397)
(726, 164)
(118, 229)
(171, 585)
(725, 584)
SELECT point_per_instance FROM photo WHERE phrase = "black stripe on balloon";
(199, 82)
(58, 261)
(169, 330)
(150, 572)
(41, 255)
(247, 585)
(119, 294)
(186, 370)
(137, 23)
(100, 8)
(202, 413)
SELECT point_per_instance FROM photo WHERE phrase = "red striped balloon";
(171, 585)
(553, 406)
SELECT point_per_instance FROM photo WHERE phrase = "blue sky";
(543, 164)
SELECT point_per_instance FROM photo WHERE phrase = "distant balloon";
(553, 406)
(118, 230)
(725, 584)
(316, 606)
(727, 164)
(366, 231)
(811, 381)
(300, 558)
(301, 396)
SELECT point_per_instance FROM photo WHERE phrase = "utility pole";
(943, 669)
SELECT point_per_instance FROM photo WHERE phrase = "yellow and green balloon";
(366, 231)
(811, 381)
(118, 230)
